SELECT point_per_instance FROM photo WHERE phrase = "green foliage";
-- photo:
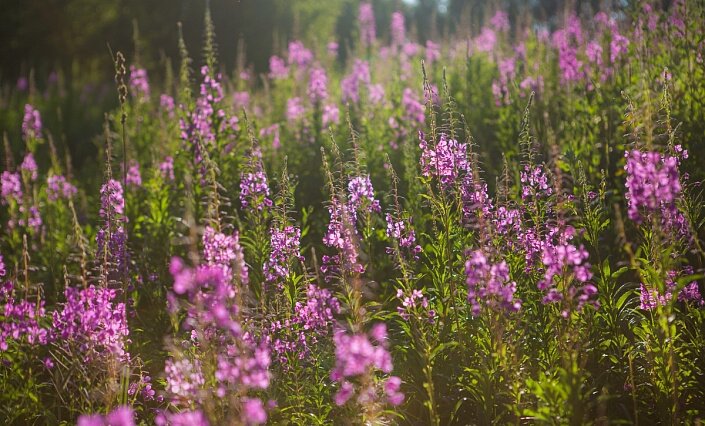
(540, 176)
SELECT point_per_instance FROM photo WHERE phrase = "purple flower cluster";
(411, 304)
(121, 416)
(318, 311)
(413, 109)
(618, 46)
(566, 41)
(31, 123)
(167, 104)
(500, 21)
(342, 228)
(211, 90)
(433, 52)
(500, 87)
(224, 251)
(294, 110)
(29, 166)
(241, 99)
(650, 298)
(376, 95)
(317, 85)
(277, 68)
(184, 379)
(410, 49)
(331, 115)
(253, 412)
(139, 84)
(58, 187)
(445, 161)
(564, 264)
(285, 247)
(254, 190)
(535, 183)
(506, 220)
(30, 218)
(405, 236)
(368, 28)
(299, 54)
(218, 248)
(10, 187)
(299, 335)
(134, 178)
(362, 195)
(691, 293)
(341, 235)
(111, 237)
(112, 201)
(21, 317)
(166, 168)
(182, 418)
(653, 183)
(475, 198)
(397, 29)
(144, 388)
(489, 284)
(116, 248)
(200, 125)
(486, 40)
(240, 363)
(530, 84)
(247, 366)
(211, 294)
(188, 280)
(273, 131)
(350, 84)
(92, 319)
(359, 355)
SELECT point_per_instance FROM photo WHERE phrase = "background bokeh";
(43, 42)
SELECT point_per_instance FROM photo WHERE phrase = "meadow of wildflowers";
(501, 225)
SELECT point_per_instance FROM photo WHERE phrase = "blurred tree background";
(47, 35)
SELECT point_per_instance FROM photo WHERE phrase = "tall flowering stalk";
(202, 127)
(416, 313)
(254, 189)
(367, 25)
(567, 272)
(653, 194)
(317, 86)
(112, 237)
(139, 83)
(397, 29)
(31, 123)
(285, 247)
(225, 362)
(342, 236)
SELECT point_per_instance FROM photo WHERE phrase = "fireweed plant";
(504, 225)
